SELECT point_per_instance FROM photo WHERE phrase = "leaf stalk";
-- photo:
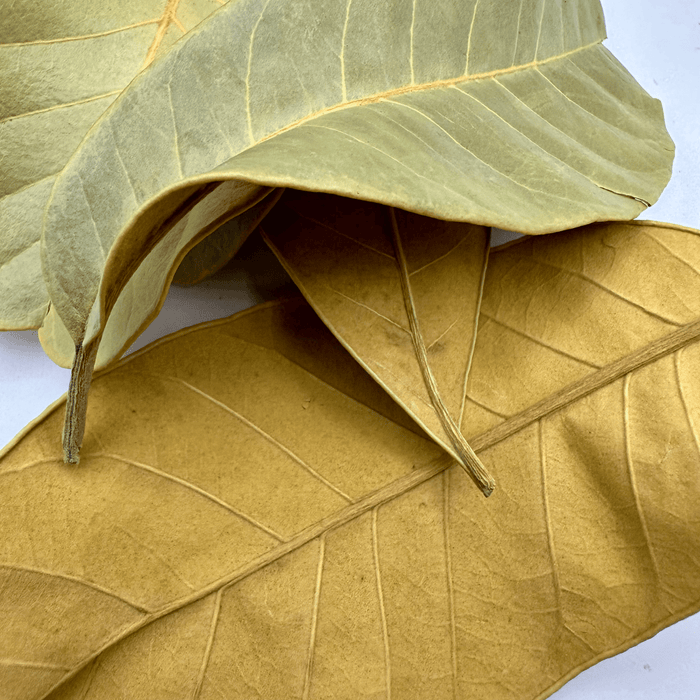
(76, 404)
(461, 449)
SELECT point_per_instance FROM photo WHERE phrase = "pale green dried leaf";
(60, 68)
(400, 291)
(236, 204)
(155, 570)
(512, 115)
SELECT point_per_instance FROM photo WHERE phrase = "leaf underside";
(400, 291)
(172, 562)
(60, 68)
(219, 247)
(538, 131)
(143, 295)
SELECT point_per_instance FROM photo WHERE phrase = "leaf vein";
(163, 25)
(538, 341)
(314, 618)
(469, 38)
(85, 37)
(475, 326)
(369, 308)
(448, 82)
(671, 252)
(337, 231)
(462, 450)
(342, 51)
(632, 476)
(247, 77)
(178, 156)
(192, 487)
(490, 166)
(430, 263)
(74, 579)
(53, 108)
(382, 609)
(268, 437)
(210, 644)
(400, 163)
(686, 409)
(607, 290)
(450, 582)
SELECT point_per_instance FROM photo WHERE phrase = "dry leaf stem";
(76, 403)
(466, 456)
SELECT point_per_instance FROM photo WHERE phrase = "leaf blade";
(635, 496)
(401, 292)
(269, 136)
(84, 62)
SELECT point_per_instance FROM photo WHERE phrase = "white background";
(659, 43)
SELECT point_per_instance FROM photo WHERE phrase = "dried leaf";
(402, 293)
(219, 247)
(251, 520)
(556, 310)
(540, 130)
(60, 68)
(142, 296)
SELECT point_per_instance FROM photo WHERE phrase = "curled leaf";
(219, 247)
(142, 297)
(60, 68)
(520, 119)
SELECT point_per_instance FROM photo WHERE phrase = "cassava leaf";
(60, 68)
(254, 523)
(400, 291)
(516, 117)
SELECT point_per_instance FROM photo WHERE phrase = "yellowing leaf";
(61, 66)
(557, 309)
(400, 291)
(251, 520)
(238, 521)
(517, 117)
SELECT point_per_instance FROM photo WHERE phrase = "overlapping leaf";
(219, 247)
(555, 311)
(141, 298)
(272, 530)
(516, 117)
(60, 68)
(401, 291)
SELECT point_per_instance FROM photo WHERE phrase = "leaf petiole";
(76, 404)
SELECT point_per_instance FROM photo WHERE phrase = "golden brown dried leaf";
(400, 291)
(250, 517)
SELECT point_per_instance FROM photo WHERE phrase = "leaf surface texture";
(401, 291)
(60, 68)
(254, 516)
(539, 129)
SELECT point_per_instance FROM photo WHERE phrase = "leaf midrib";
(573, 392)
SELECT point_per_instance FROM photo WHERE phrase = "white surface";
(659, 43)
